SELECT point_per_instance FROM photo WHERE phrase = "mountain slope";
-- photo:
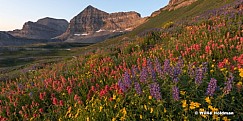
(7, 39)
(45, 28)
(165, 16)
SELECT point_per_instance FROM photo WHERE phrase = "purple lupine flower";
(158, 67)
(176, 73)
(211, 87)
(153, 74)
(149, 66)
(176, 79)
(137, 88)
(228, 84)
(180, 62)
(177, 70)
(127, 80)
(155, 91)
(175, 91)
(134, 72)
(144, 75)
(199, 76)
(178, 67)
(167, 67)
(122, 86)
(200, 73)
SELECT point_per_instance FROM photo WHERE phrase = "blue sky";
(14, 13)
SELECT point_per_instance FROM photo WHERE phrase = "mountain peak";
(90, 7)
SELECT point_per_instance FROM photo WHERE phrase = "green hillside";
(185, 64)
(182, 13)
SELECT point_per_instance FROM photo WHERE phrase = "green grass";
(182, 13)
(14, 60)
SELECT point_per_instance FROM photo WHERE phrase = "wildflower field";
(183, 70)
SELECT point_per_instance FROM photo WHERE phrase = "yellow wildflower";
(76, 115)
(165, 110)
(141, 117)
(184, 71)
(197, 105)
(145, 107)
(150, 97)
(194, 105)
(211, 71)
(70, 115)
(212, 66)
(210, 107)
(32, 118)
(122, 118)
(113, 119)
(184, 103)
(68, 112)
(101, 108)
(124, 111)
(214, 109)
(182, 92)
(75, 105)
(225, 119)
(215, 117)
(207, 99)
(239, 83)
(151, 110)
(241, 72)
(222, 69)
(114, 97)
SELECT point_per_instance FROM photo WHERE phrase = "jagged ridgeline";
(93, 25)
(185, 63)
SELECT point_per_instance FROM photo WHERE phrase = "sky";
(14, 13)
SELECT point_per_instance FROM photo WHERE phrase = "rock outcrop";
(94, 24)
(45, 28)
(173, 5)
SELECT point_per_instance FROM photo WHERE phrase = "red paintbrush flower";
(61, 103)
(69, 90)
(41, 96)
(54, 101)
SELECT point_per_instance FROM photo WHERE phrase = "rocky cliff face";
(173, 5)
(122, 21)
(94, 23)
(45, 28)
